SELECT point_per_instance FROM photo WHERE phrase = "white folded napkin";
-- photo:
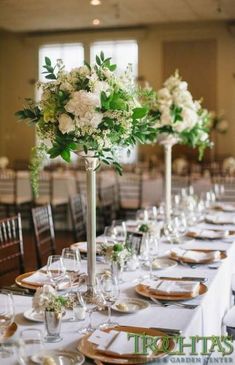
(195, 256)
(225, 207)
(115, 341)
(37, 277)
(172, 287)
(220, 218)
(207, 233)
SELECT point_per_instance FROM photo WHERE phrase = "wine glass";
(119, 230)
(153, 249)
(7, 314)
(89, 301)
(142, 215)
(110, 290)
(109, 235)
(55, 269)
(151, 213)
(72, 263)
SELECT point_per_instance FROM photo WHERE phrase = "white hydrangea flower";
(66, 123)
(81, 102)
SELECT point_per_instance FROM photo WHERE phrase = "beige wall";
(18, 69)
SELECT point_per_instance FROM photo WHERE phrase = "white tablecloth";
(204, 320)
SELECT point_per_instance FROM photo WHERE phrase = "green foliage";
(36, 164)
(144, 228)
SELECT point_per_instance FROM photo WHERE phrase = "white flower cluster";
(177, 107)
(82, 114)
(42, 298)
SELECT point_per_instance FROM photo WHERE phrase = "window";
(122, 53)
(72, 55)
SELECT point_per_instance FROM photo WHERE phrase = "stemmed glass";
(119, 230)
(90, 303)
(153, 251)
(55, 269)
(72, 263)
(142, 215)
(7, 314)
(152, 213)
(110, 290)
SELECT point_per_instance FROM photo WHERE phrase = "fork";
(178, 304)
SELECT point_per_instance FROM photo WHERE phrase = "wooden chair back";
(11, 246)
(78, 213)
(44, 233)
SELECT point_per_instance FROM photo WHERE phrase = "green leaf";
(65, 154)
(85, 148)
(112, 67)
(98, 60)
(47, 61)
(51, 77)
(139, 113)
(102, 56)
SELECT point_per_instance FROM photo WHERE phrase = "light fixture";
(96, 22)
(95, 2)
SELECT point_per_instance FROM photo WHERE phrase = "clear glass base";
(52, 339)
(110, 324)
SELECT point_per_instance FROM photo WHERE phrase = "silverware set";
(163, 303)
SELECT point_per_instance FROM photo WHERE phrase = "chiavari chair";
(130, 193)
(78, 212)
(108, 203)
(44, 233)
(11, 246)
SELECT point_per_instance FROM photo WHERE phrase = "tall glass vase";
(91, 163)
(168, 141)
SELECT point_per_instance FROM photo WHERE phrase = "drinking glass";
(110, 290)
(72, 263)
(119, 230)
(32, 345)
(55, 269)
(109, 235)
(7, 315)
(152, 213)
(170, 232)
(91, 303)
(153, 250)
(142, 215)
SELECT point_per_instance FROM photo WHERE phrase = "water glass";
(119, 230)
(7, 315)
(110, 290)
(31, 344)
(55, 269)
(72, 263)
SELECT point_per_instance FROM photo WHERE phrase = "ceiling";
(47, 15)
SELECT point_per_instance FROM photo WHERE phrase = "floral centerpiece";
(90, 108)
(47, 299)
(177, 115)
(115, 253)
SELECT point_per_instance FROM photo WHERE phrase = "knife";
(187, 278)
(168, 331)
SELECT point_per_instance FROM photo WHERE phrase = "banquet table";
(203, 320)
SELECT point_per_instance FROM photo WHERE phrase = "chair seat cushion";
(229, 318)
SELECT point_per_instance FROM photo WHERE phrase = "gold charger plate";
(145, 291)
(19, 281)
(9, 331)
(90, 350)
(220, 235)
(83, 250)
(187, 260)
